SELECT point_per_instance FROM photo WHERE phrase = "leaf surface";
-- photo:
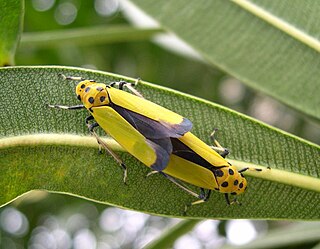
(265, 44)
(11, 18)
(49, 149)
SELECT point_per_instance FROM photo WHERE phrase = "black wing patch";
(157, 134)
(178, 129)
(183, 151)
(151, 128)
(162, 152)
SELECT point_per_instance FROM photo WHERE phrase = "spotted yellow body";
(159, 138)
(204, 168)
(216, 174)
(122, 114)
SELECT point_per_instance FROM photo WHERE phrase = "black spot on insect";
(217, 189)
(241, 185)
(99, 88)
(102, 98)
(87, 89)
(91, 100)
(231, 172)
(235, 183)
(219, 173)
(233, 193)
(224, 184)
(79, 97)
(83, 86)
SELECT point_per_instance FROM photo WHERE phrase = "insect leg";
(218, 148)
(91, 128)
(234, 201)
(133, 90)
(249, 168)
(170, 178)
(74, 107)
(62, 76)
(226, 195)
(92, 125)
(203, 196)
(152, 172)
(130, 86)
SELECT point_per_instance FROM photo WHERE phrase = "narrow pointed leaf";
(87, 36)
(44, 148)
(168, 237)
(11, 20)
(268, 45)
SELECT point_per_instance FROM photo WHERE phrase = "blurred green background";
(41, 220)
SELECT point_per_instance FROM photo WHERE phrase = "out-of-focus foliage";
(243, 38)
(151, 62)
(136, 59)
(11, 18)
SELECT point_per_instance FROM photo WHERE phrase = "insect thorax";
(230, 180)
(92, 94)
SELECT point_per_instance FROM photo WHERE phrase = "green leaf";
(11, 21)
(168, 237)
(49, 149)
(317, 246)
(87, 36)
(265, 44)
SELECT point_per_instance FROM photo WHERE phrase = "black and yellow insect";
(157, 137)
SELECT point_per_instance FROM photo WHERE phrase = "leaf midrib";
(279, 24)
(271, 174)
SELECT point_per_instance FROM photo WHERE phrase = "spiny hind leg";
(217, 147)
(176, 182)
(203, 196)
(91, 127)
(64, 77)
(224, 152)
(65, 107)
(129, 86)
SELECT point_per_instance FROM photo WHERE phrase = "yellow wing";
(145, 150)
(190, 172)
(203, 150)
(150, 110)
